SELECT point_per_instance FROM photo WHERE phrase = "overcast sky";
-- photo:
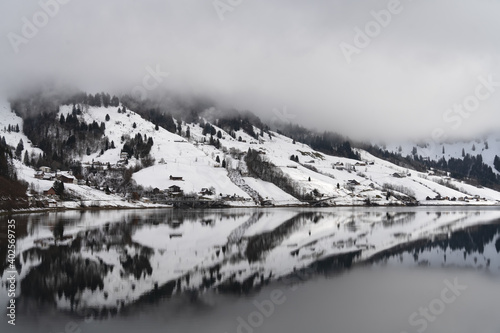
(303, 59)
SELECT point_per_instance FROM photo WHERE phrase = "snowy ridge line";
(200, 166)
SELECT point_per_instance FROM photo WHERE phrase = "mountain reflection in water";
(100, 263)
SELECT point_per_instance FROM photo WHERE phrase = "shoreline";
(63, 209)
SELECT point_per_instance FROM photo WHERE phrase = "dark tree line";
(138, 146)
(267, 171)
(12, 128)
(208, 129)
(469, 168)
(97, 100)
(159, 118)
(61, 138)
(329, 143)
(6, 167)
(12, 191)
(411, 162)
(245, 121)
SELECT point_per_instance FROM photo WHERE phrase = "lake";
(394, 269)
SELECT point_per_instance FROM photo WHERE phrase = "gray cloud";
(271, 54)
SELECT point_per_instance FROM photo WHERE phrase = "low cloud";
(266, 55)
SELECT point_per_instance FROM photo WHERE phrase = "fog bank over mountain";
(378, 70)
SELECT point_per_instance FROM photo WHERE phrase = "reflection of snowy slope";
(132, 254)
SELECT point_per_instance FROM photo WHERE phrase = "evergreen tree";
(115, 101)
(26, 159)
(106, 99)
(463, 152)
(19, 149)
(496, 162)
(97, 100)
(206, 129)
(134, 125)
(58, 187)
(107, 117)
(188, 133)
(217, 159)
(112, 145)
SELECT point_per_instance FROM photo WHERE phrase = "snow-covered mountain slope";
(326, 179)
(372, 174)
(178, 157)
(487, 147)
(12, 138)
(87, 196)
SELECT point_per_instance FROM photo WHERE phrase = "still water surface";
(257, 270)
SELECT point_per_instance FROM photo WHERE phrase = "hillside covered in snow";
(105, 152)
(488, 147)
